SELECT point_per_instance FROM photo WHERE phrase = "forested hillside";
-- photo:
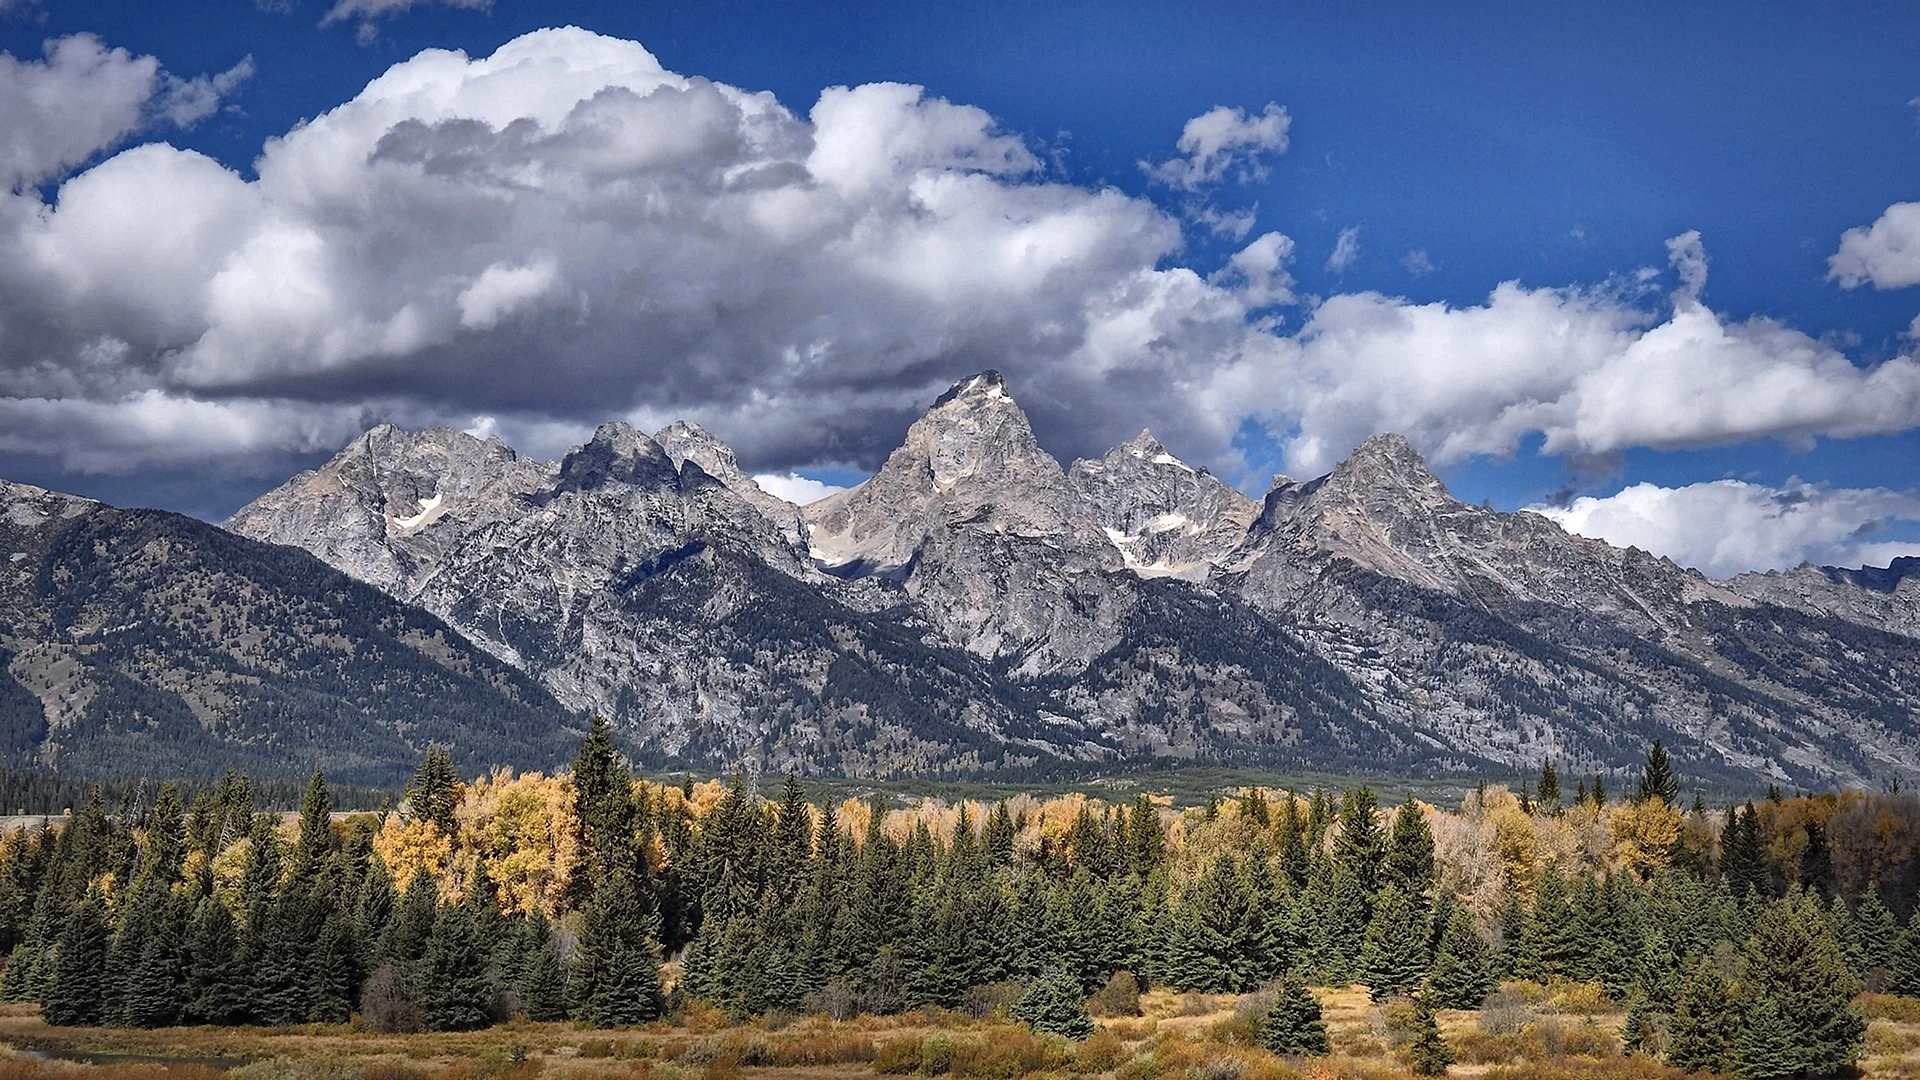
(557, 897)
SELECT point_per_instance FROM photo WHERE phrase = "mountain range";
(971, 607)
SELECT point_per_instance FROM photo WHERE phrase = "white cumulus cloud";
(565, 231)
(1726, 527)
(1215, 142)
(796, 489)
(1346, 250)
(82, 98)
(1886, 253)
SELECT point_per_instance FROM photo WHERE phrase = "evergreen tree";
(1874, 931)
(1393, 958)
(616, 977)
(1656, 779)
(1292, 1024)
(1742, 858)
(603, 805)
(411, 926)
(1360, 848)
(152, 997)
(999, 835)
(1638, 1029)
(77, 995)
(1706, 1023)
(453, 985)
(542, 982)
(1462, 975)
(435, 791)
(1795, 965)
(1428, 1054)
(1146, 841)
(1055, 1005)
(215, 991)
(166, 842)
(1409, 859)
(1549, 796)
(1903, 967)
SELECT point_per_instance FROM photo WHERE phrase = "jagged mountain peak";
(1167, 518)
(970, 458)
(1387, 459)
(987, 385)
(685, 441)
(617, 453)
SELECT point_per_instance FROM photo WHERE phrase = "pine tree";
(1428, 1054)
(77, 995)
(999, 835)
(1549, 796)
(152, 997)
(453, 984)
(1794, 963)
(1874, 931)
(1393, 957)
(1360, 848)
(616, 977)
(1903, 967)
(1055, 1005)
(1706, 1022)
(1409, 859)
(1462, 975)
(1292, 1024)
(411, 927)
(435, 791)
(215, 991)
(1638, 1028)
(541, 981)
(1146, 841)
(1656, 779)
(1742, 860)
(1211, 947)
(1765, 1049)
(603, 805)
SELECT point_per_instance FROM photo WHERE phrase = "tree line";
(446, 916)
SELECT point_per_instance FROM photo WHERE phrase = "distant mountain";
(137, 642)
(973, 605)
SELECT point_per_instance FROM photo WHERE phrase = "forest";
(1751, 940)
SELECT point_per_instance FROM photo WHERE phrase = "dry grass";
(1179, 1037)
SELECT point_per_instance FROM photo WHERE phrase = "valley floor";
(1525, 1032)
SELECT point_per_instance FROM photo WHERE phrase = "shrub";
(836, 999)
(1006, 1054)
(1119, 997)
(1239, 1029)
(1101, 1052)
(897, 1057)
(1054, 1005)
(936, 1054)
(1901, 1010)
(993, 1001)
(390, 1001)
(391, 1070)
(1505, 1012)
(1218, 1068)
(1579, 998)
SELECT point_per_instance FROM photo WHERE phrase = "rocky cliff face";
(634, 582)
(973, 605)
(983, 530)
(1166, 518)
(135, 642)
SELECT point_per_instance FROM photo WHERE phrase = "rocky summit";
(973, 607)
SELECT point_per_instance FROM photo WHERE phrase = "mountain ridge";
(1128, 605)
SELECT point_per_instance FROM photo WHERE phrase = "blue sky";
(1559, 146)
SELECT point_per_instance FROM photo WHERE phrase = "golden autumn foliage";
(1645, 834)
(408, 846)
